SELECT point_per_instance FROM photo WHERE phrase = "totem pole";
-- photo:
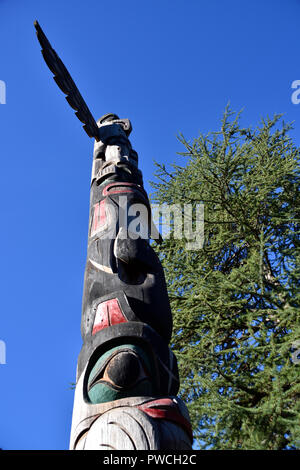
(127, 377)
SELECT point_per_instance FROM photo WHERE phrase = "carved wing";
(67, 85)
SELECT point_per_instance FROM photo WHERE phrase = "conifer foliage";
(235, 302)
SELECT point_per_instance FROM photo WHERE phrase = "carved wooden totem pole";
(127, 377)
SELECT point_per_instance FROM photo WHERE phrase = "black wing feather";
(66, 84)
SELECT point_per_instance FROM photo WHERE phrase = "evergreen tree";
(235, 302)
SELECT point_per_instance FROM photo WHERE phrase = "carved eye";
(119, 373)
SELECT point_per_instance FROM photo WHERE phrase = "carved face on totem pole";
(127, 377)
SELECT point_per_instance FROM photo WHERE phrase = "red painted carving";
(99, 217)
(166, 408)
(128, 188)
(108, 313)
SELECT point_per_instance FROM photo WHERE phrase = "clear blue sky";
(169, 66)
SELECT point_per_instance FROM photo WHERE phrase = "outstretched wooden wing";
(67, 85)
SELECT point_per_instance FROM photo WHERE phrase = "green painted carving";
(123, 371)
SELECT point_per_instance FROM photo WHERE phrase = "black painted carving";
(66, 84)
